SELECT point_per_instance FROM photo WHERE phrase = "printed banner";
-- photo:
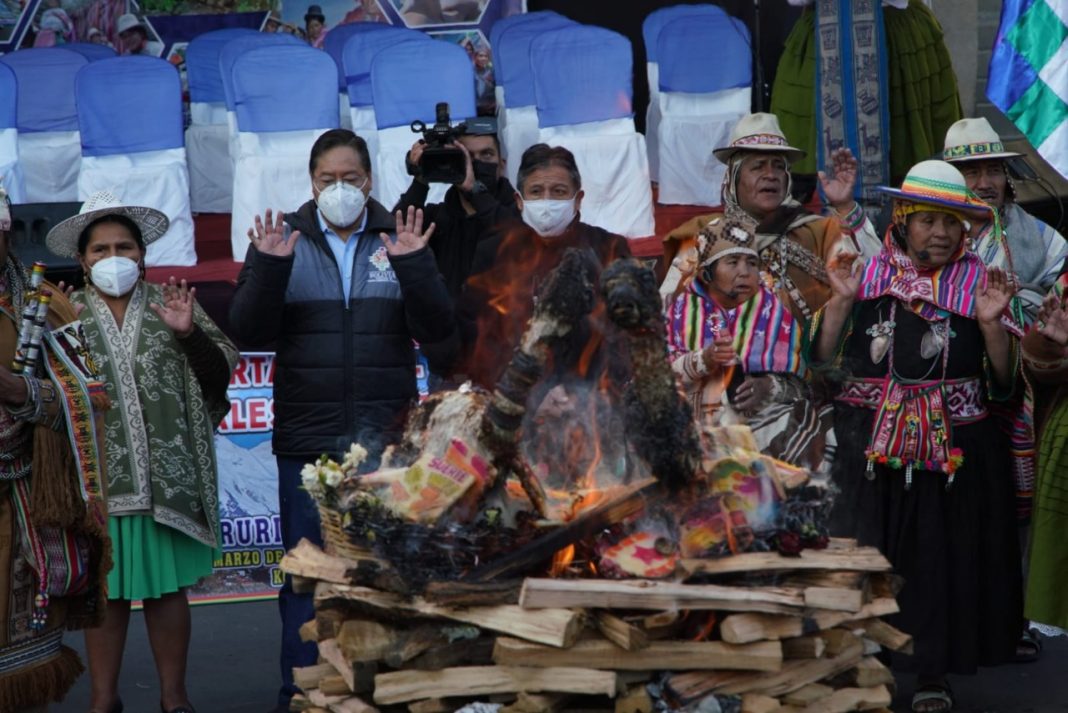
(247, 567)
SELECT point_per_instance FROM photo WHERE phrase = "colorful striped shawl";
(932, 295)
(767, 338)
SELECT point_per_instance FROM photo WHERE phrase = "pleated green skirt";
(152, 559)
(1047, 575)
(923, 95)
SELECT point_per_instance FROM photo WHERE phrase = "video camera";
(440, 162)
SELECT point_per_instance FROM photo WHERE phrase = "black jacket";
(344, 373)
(457, 234)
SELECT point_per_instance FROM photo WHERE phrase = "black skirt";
(957, 548)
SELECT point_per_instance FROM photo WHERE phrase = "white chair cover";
(705, 88)
(515, 78)
(272, 146)
(49, 146)
(157, 179)
(407, 82)
(582, 80)
(130, 116)
(211, 173)
(334, 45)
(10, 169)
(651, 28)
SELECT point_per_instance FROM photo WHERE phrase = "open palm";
(994, 296)
(410, 235)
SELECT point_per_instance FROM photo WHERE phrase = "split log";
(839, 640)
(555, 627)
(466, 652)
(804, 647)
(659, 655)
(328, 622)
(794, 675)
(537, 703)
(331, 652)
(619, 632)
(885, 584)
(759, 703)
(466, 594)
(306, 561)
(869, 672)
(636, 700)
(807, 695)
(646, 594)
(404, 686)
(886, 635)
(320, 699)
(818, 578)
(309, 631)
(434, 705)
(306, 677)
(873, 609)
(745, 627)
(864, 559)
(614, 508)
(835, 599)
(335, 685)
(352, 704)
(852, 699)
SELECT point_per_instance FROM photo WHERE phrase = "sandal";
(932, 698)
(1029, 647)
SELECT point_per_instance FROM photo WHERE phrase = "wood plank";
(473, 681)
(659, 655)
(870, 672)
(745, 627)
(834, 598)
(335, 685)
(619, 632)
(331, 652)
(470, 594)
(309, 631)
(648, 594)
(886, 635)
(553, 626)
(852, 699)
(795, 674)
(838, 640)
(807, 695)
(309, 676)
(862, 559)
(352, 704)
(826, 578)
(759, 703)
(804, 647)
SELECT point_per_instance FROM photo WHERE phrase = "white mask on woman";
(115, 276)
(549, 217)
(341, 203)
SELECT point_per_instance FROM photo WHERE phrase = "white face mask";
(549, 218)
(341, 204)
(115, 276)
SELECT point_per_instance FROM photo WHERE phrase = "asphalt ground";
(233, 668)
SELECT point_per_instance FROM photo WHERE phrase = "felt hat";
(758, 132)
(974, 140)
(722, 237)
(63, 238)
(314, 13)
(937, 183)
(127, 22)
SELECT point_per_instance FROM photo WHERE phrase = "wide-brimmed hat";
(758, 132)
(63, 239)
(722, 237)
(127, 22)
(937, 183)
(314, 12)
(93, 32)
(974, 140)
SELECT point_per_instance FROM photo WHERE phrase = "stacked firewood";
(759, 631)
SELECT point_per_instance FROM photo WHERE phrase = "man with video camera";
(473, 205)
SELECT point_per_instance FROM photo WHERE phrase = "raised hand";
(177, 308)
(269, 236)
(410, 235)
(720, 352)
(1052, 321)
(839, 183)
(68, 290)
(843, 277)
(994, 296)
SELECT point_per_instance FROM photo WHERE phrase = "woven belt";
(30, 652)
(964, 397)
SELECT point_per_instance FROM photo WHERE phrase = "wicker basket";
(335, 542)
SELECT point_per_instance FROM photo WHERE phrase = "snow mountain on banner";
(248, 479)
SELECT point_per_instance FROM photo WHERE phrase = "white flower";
(355, 456)
(309, 476)
(332, 476)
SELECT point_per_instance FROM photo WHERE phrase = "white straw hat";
(127, 22)
(63, 238)
(974, 140)
(758, 132)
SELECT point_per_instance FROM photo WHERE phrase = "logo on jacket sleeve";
(381, 270)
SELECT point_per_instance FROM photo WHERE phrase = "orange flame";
(706, 629)
(562, 560)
